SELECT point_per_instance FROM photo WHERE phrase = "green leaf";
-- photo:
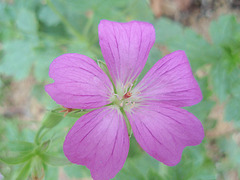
(153, 175)
(21, 146)
(44, 146)
(28, 5)
(175, 37)
(224, 30)
(42, 61)
(134, 150)
(51, 172)
(203, 108)
(206, 91)
(195, 164)
(234, 79)
(220, 81)
(80, 47)
(47, 16)
(231, 149)
(232, 110)
(26, 21)
(51, 119)
(16, 159)
(140, 10)
(18, 55)
(167, 31)
(137, 168)
(25, 171)
(54, 160)
(77, 171)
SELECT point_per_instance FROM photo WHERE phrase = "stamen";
(133, 104)
(137, 93)
(128, 103)
(131, 85)
(118, 97)
(128, 85)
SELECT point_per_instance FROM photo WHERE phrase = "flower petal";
(79, 82)
(170, 81)
(163, 131)
(125, 48)
(99, 140)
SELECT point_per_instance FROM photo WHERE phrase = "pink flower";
(99, 139)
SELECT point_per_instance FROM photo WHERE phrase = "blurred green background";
(34, 32)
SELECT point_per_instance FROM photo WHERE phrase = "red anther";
(127, 95)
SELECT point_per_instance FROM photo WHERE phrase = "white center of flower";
(125, 98)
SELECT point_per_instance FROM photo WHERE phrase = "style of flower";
(99, 139)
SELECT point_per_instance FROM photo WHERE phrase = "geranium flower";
(99, 139)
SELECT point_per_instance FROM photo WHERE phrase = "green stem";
(104, 67)
(65, 21)
(88, 26)
(36, 140)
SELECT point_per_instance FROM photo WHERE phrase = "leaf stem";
(71, 29)
(65, 21)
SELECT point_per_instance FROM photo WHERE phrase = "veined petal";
(99, 140)
(170, 81)
(163, 131)
(79, 82)
(125, 48)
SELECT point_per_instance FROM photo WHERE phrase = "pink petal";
(163, 131)
(125, 48)
(79, 82)
(171, 81)
(99, 140)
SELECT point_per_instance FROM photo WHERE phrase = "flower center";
(125, 97)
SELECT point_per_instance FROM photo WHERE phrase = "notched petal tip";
(125, 48)
(49, 88)
(79, 82)
(98, 140)
(171, 81)
(163, 131)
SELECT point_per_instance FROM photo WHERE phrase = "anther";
(127, 95)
